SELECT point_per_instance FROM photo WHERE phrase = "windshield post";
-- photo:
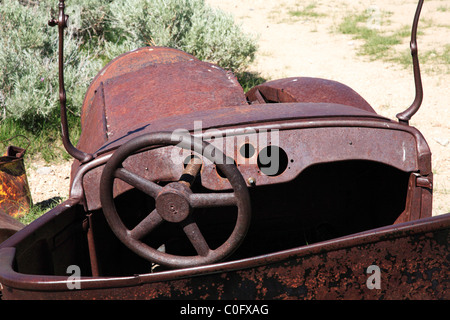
(61, 22)
(406, 115)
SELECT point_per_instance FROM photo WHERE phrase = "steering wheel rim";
(180, 195)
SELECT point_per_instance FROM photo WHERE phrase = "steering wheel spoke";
(147, 186)
(195, 236)
(146, 226)
(208, 200)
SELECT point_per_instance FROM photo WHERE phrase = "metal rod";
(406, 115)
(92, 248)
(62, 24)
(190, 172)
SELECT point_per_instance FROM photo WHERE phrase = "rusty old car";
(185, 187)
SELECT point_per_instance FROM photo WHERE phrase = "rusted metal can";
(15, 196)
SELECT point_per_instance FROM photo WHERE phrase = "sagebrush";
(98, 32)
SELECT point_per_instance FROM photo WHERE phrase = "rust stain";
(15, 196)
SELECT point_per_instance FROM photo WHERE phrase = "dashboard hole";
(247, 150)
(272, 161)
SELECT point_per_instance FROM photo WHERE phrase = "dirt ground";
(295, 44)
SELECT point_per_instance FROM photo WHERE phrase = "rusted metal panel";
(131, 62)
(96, 126)
(412, 260)
(310, 146)
(136, 99)
(305, 89)
(254, 115)
(419, 199)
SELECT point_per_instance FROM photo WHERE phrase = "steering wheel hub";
(172, 203)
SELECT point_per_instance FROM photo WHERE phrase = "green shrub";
(98, 32)
(29, 66)
(188, 25)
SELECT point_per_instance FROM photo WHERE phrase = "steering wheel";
(175, 202)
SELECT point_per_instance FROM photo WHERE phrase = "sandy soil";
(310, 46)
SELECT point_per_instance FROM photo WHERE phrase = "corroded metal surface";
(305, 89)
(412, 261)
